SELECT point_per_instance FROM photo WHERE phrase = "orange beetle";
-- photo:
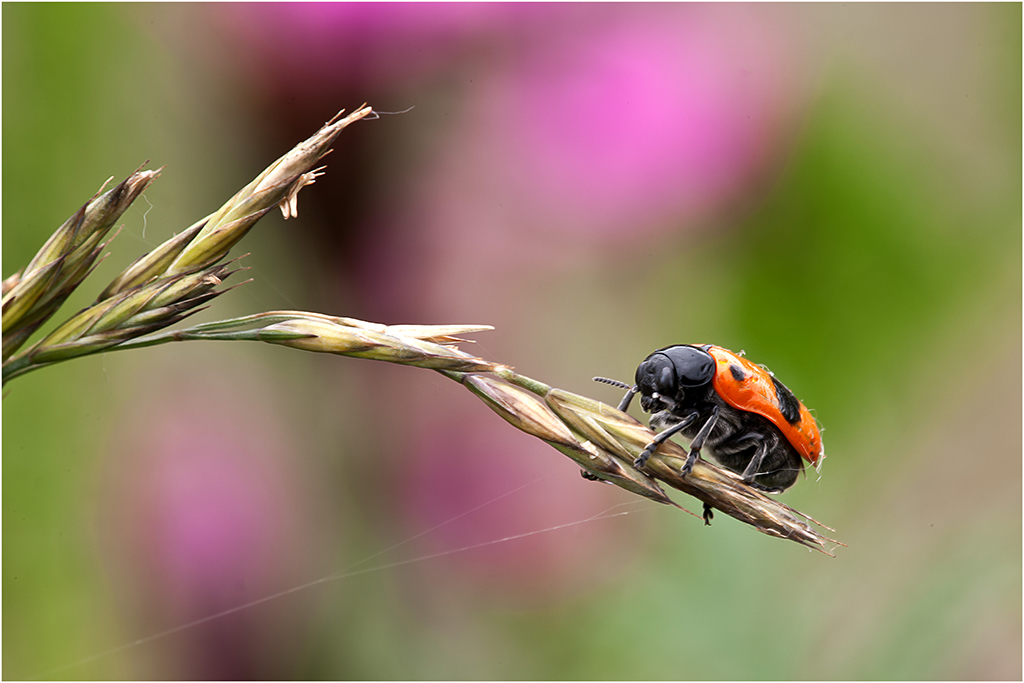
(748, 420)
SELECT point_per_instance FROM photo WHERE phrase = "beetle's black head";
(666, 376)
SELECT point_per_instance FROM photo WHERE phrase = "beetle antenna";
(613, 382)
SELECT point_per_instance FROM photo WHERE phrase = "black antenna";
(613, 382)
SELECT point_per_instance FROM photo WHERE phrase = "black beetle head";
(664, 376)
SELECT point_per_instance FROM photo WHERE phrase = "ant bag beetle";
(748, 420)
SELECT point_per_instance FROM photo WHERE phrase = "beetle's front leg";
(628, 398)
(662, 437)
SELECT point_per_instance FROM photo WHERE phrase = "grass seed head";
(321, 334)
(22, 297)
(135, 312)
(278, 184)
(153, 264)
(93, 219)
(522, 409)
(64, 261)
(9, 282)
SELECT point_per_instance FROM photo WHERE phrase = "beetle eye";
(666, 382)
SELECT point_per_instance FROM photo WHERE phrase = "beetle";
(748, 420)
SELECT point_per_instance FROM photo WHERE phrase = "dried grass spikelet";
(32, 295)
(407, 345)
(278, 185)
(130, 314)
(528, 412)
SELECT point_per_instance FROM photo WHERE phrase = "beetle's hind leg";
(765, 462)
(779, 469)
(754, 466)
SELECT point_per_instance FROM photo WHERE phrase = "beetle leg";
(624, 403)
(698, 441)
(662, 437)
(754, 465)
(588, 476)
(709, 514)
(630, 393)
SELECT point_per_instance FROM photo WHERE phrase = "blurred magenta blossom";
(648, 121)
(205, 511)
(215, 515)
(375, 45)
(212, 503)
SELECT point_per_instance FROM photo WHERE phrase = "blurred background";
(834, 189)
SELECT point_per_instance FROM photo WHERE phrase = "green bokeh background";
(880, 273)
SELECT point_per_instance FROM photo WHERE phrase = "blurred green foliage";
(881, 275)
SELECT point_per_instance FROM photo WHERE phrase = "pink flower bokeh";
(649, 121)
(206, 512)
(310, 46)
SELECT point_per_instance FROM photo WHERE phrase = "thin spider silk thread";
(349, 572)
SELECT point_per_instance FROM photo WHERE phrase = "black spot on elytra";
(737, 372)
(789, 406)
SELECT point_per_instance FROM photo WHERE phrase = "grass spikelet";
(32, 296)
(278, 184)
